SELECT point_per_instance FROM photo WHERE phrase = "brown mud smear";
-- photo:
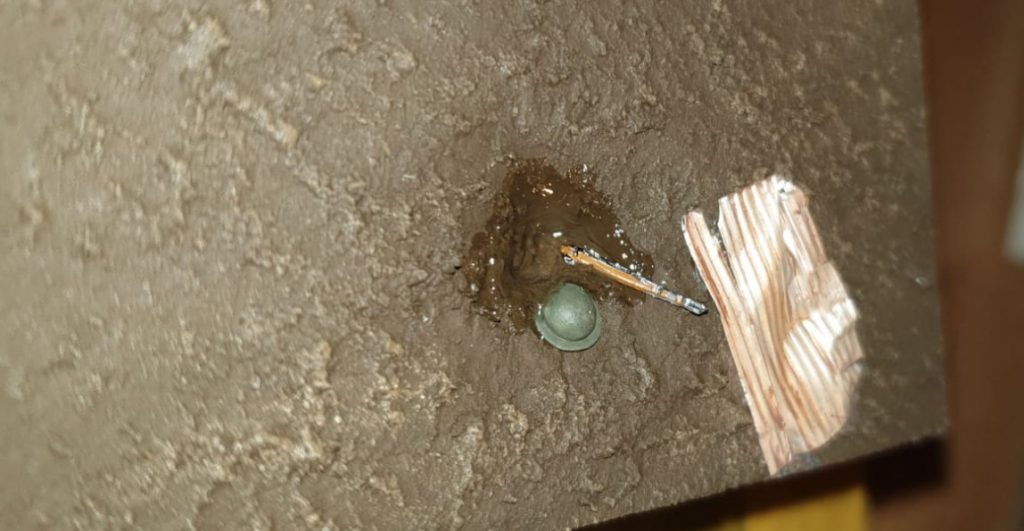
(515, 262)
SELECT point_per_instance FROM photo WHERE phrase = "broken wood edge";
(787, 317)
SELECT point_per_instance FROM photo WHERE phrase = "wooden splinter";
(787, 317)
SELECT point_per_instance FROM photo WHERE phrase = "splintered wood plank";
(787, 317)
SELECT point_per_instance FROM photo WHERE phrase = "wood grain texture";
(788, 319)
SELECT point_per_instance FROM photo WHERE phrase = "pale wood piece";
(787, 317)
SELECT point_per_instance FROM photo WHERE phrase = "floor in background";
(835, 500)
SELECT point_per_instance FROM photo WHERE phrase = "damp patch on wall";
(515, 262)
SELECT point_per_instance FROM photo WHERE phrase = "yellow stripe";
(841, 510)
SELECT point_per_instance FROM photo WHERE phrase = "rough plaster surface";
(229, 234)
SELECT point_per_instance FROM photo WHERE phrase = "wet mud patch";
(514, 263)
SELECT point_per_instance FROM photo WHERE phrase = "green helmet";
(569, 319)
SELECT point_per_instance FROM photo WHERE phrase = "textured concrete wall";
(230, 234)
